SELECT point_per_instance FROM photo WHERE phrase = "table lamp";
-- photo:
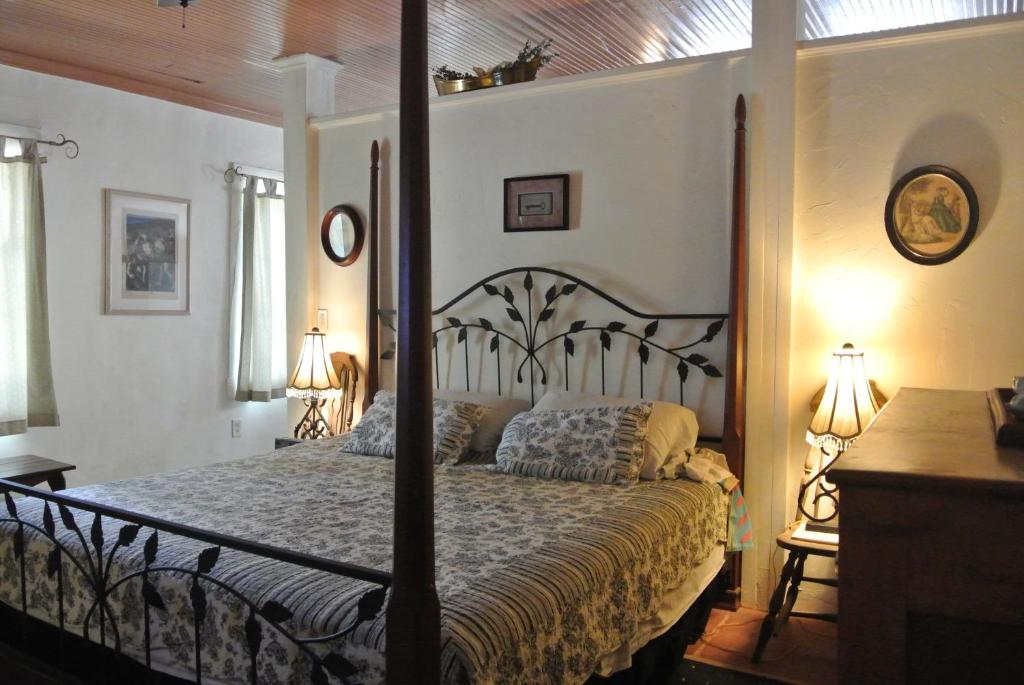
(314, 381)
(847, 407)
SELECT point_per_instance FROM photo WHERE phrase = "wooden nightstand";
(28, 469)
(789, 585)
(285, 442)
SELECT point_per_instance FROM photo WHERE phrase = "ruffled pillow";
(596, 444)
(454, 425)
(671, 431)
(487, 437)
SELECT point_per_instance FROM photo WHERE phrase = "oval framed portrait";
(931, 214)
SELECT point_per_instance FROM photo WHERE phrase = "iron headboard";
(530, 327)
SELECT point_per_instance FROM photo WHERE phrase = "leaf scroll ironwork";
(48, 523)
(53, 562)
(152, 596)
(339, 667)
(96, 534)
(198, 597)
(208, 559)
(275, 612)
(532, 337)
(94, 560)
(370, 604)
(127, 535)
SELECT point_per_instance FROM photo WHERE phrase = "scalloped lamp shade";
(847, 406)
(314, 375)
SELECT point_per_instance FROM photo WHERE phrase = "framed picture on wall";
(537, 203)
(147, 253)
(931, 214)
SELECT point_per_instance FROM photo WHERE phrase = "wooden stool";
(789, 585)
(28, 469)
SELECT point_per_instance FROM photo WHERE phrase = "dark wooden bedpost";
(413, 614)
(373, 283)
(734, 432)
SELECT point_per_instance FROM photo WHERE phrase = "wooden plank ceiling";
(222, 59)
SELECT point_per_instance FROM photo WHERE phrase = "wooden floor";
(803, 652)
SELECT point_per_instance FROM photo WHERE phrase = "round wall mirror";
(341, 234)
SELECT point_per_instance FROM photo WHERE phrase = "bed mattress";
(539, 580)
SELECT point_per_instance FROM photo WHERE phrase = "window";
(26, 381)
(258, 327)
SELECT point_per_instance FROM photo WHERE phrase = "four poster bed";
(554, 579)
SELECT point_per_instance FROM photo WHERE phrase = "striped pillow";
(454, 425)
(596, 444)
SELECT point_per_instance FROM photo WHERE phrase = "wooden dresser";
(931, 546)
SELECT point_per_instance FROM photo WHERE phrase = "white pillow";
(492, 425)
(671, 430)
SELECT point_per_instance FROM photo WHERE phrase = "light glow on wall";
(346, 341)
(853, 303)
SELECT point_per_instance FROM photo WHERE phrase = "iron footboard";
(90, 551)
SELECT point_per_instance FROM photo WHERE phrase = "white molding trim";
(912, 35)
(17, 131)
(305, 60)
(261, 172)
(361, 116)
(562, 84)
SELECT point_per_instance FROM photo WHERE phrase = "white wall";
(866, 114)
(649, 151)
(137, 394)
(865, 117)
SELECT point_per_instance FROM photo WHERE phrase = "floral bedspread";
(537, 578)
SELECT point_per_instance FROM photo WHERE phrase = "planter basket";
(502, 77)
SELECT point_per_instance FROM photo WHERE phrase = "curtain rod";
(23, 133)
(237, 170)
(70, 152)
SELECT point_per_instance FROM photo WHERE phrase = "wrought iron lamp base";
(823, 490)
(313, 425)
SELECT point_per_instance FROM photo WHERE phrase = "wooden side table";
(789, 585)
(28, 469)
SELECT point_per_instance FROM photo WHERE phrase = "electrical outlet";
(236, 428)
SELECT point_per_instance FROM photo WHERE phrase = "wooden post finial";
(741, 110)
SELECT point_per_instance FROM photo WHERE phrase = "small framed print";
(537, 203)
(147, 255)
(931, 215)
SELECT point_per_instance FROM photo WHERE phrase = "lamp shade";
(314, 374)
(847, 405)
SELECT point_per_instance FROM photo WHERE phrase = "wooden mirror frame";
(357, 227)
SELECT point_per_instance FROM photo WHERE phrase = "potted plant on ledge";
(530, 59)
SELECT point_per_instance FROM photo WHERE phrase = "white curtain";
(26, 380)
(258, 329)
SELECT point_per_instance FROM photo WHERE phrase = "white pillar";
(308, 92)
(772, 138)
